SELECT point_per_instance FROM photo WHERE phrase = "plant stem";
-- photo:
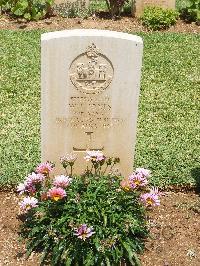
(71, 169)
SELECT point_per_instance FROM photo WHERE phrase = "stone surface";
(90, 91)
(139, 5)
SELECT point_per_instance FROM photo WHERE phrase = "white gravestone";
(139, 5)
(90, 92)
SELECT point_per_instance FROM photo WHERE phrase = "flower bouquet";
(91, 219)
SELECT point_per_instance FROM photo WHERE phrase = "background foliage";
(157, 18)
(168, 126)
(73, 9)
(38, 9)
(28, 9)
(191, 12)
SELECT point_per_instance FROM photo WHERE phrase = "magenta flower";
(45, 168)
(28, 203)
(34, 179)
(62, 181)
(143, 172)
(94, 156)
(151, 198)
(84, 232)
(56, 193)
(137, 180)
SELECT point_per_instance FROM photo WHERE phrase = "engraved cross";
(89, 145)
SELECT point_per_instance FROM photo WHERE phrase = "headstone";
(90, 91)
(139, 5)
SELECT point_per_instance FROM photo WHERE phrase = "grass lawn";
(168, 130)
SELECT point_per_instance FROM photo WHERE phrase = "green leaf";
(27, 16)
(131, 254)
(107, 261)
(32, 245)
(68, 261)
(105, 219)
(45, 253)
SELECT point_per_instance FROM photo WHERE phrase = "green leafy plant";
(28, 9)
(5, 5)
(92, 219)
(73, 9)
(157, 18)
(191, 13)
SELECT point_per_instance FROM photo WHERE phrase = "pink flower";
(34, 179)
(62, 181)
(56, 193)
(45, 168)
(133, 181)
(69, 159)
(84, 232)
(126, 184)
(31, 189)
(143, 172)
(28, 203)
(94, 156)
(26, 188)
(151, 198)
(137, 180)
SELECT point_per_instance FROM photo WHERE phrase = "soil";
(174, 227)
(102, 21)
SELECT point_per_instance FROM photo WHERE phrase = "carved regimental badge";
(91, 72)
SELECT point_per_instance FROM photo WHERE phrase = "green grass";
(19, 103)
(168, 127)
(168, 131)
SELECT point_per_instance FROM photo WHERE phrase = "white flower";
(28, 203)
(62, 181)
(96, 156)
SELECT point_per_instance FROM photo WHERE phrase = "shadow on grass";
(196, 175)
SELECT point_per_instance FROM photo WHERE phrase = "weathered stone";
(90, 91)
(139, 5)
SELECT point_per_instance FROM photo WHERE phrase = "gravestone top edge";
(90, 33)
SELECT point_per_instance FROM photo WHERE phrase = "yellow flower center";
(137, 182)
(46, 171)
(150, 201)
(56, 197)
(84, 235)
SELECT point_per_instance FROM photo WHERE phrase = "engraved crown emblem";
(91, 72)
(92, 51)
